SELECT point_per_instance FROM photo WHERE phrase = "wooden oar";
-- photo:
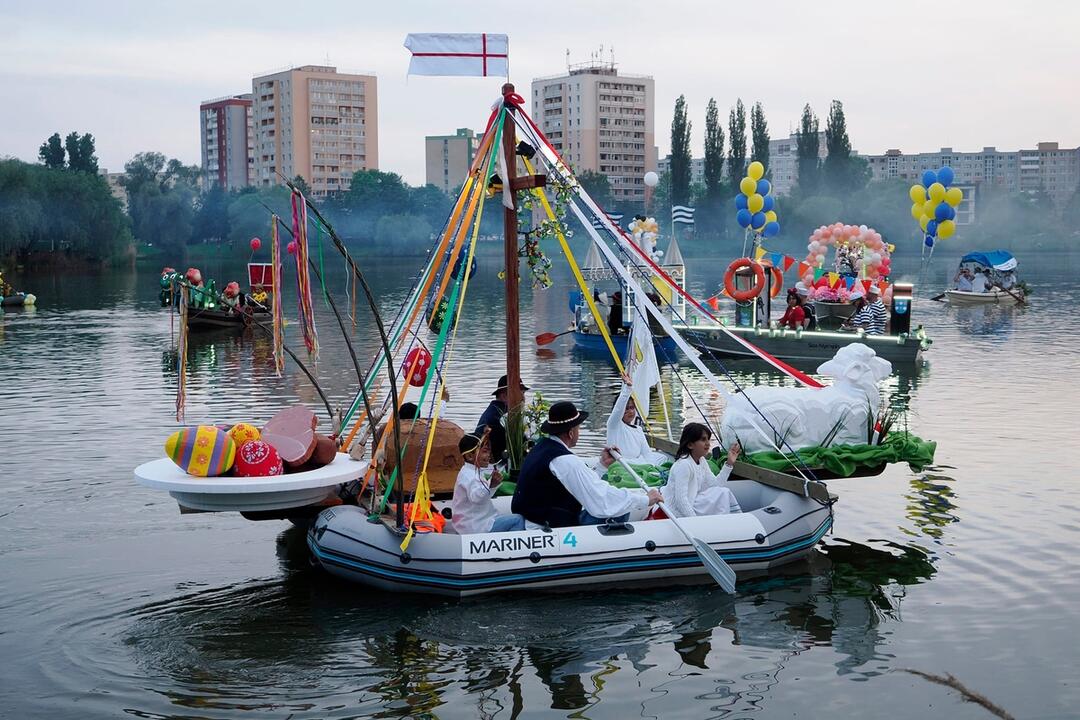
(938, 297)
(548, 338)
(1019, 298)
(720, 570)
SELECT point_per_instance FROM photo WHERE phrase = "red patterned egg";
(256, 458)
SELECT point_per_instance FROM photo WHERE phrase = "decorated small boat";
(19, 299)
(999, 269)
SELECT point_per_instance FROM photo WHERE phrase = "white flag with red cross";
(469, 54)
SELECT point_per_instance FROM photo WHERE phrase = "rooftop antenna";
(568, 59)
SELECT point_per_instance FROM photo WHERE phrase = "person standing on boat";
(624, 428)
(615, 319)
(692, 488)
(557, 489)
(491, 420)
(794, 317)
(476, 483)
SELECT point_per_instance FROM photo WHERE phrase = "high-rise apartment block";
(448, 157)
(314, 122)
(226, 140)
(1048, 168)
(602, 121)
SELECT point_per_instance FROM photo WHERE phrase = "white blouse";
(473, 510)
(630, 439)
(690, 483)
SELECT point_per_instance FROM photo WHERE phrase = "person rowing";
(556, 488)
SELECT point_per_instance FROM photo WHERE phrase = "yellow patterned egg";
(203, 451)
(242, 432)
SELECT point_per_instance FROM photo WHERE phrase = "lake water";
(112, 604)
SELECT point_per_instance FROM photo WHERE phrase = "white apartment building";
(314, 122)
(226, 140)
(602, 121)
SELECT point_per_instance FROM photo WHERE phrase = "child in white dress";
(692, 488)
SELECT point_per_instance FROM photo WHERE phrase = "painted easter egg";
(242, 432)
(257, 459)
(203, 451)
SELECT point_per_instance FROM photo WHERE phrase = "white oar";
(720, 570)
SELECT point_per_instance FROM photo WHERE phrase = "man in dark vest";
(556, 488)
(492, 421)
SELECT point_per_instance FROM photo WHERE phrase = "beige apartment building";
(315, 122)
(602, 121)
(447, 158)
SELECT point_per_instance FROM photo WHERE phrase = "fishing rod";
(400, 519)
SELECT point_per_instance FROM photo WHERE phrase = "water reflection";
(930, 505)
(996, 320)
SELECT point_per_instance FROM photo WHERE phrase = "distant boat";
(1002, 267)
(18, 300)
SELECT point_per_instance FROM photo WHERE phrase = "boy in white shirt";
(473, 510)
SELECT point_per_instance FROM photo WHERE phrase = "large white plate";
(239, 494)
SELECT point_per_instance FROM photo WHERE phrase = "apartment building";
(447, 158)
(602, 121)
(226, 140)
(314, 122)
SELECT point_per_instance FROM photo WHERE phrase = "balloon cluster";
(754, 204)
(644, 231)
(934, 204)
(857, 247)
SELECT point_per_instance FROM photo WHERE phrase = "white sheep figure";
(808, 417)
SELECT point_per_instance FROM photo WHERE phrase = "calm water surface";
(112, 604)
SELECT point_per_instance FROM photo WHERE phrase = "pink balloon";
(291, 247)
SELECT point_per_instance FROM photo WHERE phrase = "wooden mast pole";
(514, 397)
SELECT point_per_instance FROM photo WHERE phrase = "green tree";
(842, 175)
(302, 185)
(711, 212)
(759, 132)
(737, 143)
(680, 154)
(597, 186)
(807, 142)
(1071, 214)
(80, 152)
(52, 152)
(161, 200)
(211, 220)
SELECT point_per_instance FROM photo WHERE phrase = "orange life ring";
(777, 281)
(729, 280)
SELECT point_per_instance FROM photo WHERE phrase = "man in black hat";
(556, 488)
(491, 420)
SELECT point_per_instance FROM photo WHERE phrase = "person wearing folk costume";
(692, 488)
(624, 430)
(491, 420)
(476, 483)
(870, 316)
(556, 488)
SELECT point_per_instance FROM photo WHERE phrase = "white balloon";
(651, 179)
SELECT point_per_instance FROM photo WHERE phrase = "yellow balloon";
(923, 219)
(937, 192)
(770, 216)
(946, 229)
(755, 202)
(748, 186)
(954, 196)
(917, 194)
(756, 171)
(916, 210)
(928, 207)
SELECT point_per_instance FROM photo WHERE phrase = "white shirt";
(473, 510)
(630, 439)
(979, 283)
(963, 283)
(596, 496)
(687, 480)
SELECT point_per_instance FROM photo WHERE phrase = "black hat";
(408, 411)
(468, 443)
(561, 417)
(504, 385)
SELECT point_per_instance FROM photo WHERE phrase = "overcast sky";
(919, 76)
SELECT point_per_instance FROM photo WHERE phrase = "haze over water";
(112, 604)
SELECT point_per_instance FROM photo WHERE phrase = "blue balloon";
(758, 220)
(770, 202)
(763, 187)
(945, 176)
(941, 212)
(931, 228)
(743, 217)
(772, 228)
(929, 241)
(952, 213)
(929, 177)
(740, 202)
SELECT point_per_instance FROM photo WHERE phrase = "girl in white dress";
(692, 488)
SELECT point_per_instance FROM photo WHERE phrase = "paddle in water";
(720, 570)
(548, 337)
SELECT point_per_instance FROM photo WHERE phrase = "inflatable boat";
(777, 528)
(18, 300)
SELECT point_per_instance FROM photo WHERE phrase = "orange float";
(755, 289)
(777, 281)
